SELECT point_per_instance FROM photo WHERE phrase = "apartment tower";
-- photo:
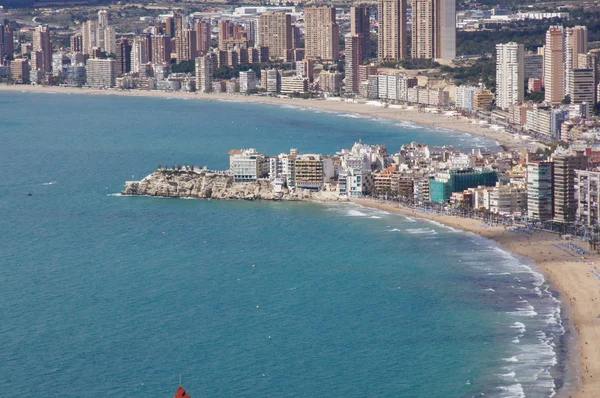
(565, 205)
(275, 32)
(354, 58)
(576, 43)
(510, 74)
(391, 41)
(360, 25)
(42, 43)
(322, 34)
(434, 29)
(203, 37)
(554, 65)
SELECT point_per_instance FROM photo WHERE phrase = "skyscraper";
(565, 205)
(360, 25)
(42, 43)
(89, 31)
(510, 75)
(139, 53)
(392, 30)
(123, 53)
(161, 49)
(322, 34)
(576, 43)
(540, 201)
(203, 36)
(203, 74)
(354, 58)
(225, 33)
(554, 65)
(434, 29)
(110, 40)
(275, 32)
(188, 48)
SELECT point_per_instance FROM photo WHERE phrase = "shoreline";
(577, 289)
(451, 123)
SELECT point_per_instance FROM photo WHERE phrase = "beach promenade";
(575, 277)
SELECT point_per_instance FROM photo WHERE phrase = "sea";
(107, 295)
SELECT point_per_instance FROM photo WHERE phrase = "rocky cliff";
(203, 184)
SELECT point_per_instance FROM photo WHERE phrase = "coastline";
(451, 123)
(577, 287)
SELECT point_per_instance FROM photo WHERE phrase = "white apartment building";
(203, 74)
(465, 97)
(587, 196)
(248, 81)
(101, 73)
(540, 190)
(510, 74)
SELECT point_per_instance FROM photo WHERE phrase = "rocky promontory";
(206, 184)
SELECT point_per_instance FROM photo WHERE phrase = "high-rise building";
(170, 26)
(510, 74)
(77, 43)
(247, 81)
(188, 48)
(392, 30)
(434, 29)
(540, 201)
(576, 43)
(225, 33)
(123, 56)
(139, 53)
(581, 86)
(360, 25)
(534, 66)
(275, 32)
(100, 30)
(203, 37)
(161, 49)
(354, 58)
(554, 65)
(19, 70)
(110, 40)
(102, 19)
(322, 34)
(251, 29)
(564, 178)
(89, 32)
(101, 73)
(203, 74)
(42, 43)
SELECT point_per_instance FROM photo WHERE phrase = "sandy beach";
(456, 123)
(576, 280)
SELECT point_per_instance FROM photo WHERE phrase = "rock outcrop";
(204, 184)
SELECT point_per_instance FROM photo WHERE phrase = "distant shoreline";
(569, 276)
(455, 123)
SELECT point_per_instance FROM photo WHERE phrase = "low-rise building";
(247, 165)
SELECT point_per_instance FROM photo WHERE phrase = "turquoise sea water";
(102, 295)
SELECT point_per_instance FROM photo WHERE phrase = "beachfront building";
(248, 81)
(101, 73)
(565, 206)
(447, 182)
(539, 190)
(283, 167)
(465, 97)
(19, 70)
(247, 165)
(294, 85)
(313, 170)
(509, 74)
(203, 74)
(587, 193)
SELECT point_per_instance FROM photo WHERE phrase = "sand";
(571, 277)
(448, 123)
